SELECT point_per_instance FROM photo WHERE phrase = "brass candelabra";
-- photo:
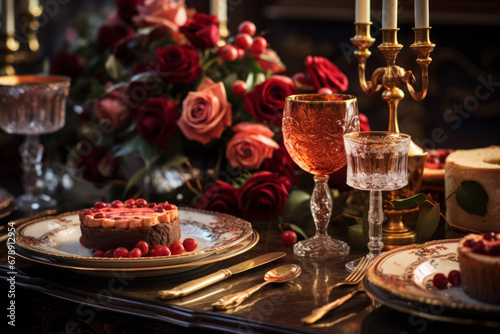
(393, 79)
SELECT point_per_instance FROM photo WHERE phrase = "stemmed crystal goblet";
(376, 161)
(33, 105)
(313, 129)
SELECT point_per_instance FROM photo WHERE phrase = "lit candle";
(362, 11)
(390, 14)
(219, 9)
(421, 13)
(10, 28)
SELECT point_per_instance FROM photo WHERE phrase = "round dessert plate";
(211, 259)
(407, 272)
(58, 237)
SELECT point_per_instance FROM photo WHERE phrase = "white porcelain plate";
(407, 272)
(58, 238)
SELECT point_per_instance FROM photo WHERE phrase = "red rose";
(320, 72)
(178, 64)
(281, 163)
(219, 198)
(202, 31)
(263, 196)
(127, 9)
(113, 37)
(156, 121)
(97, 165)
(265, 103)
(65, 63)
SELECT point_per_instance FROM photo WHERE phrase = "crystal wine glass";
(313, 129)
(33, 105)
(376, 161)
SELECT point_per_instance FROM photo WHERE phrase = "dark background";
(467, 49)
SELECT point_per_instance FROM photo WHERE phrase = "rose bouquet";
(156, 83)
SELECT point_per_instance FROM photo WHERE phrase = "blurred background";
(462, 108)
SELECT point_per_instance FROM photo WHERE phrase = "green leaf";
(176, 160)
(297, 206)
(409, 202)
(427, 221)
(129, 146)
(113, 67)
(472, 197)
(135, 178)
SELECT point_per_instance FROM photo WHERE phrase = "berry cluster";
(134, 203)
(142, 249)
(488, 245)
(441, 281)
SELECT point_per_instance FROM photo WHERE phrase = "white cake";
(483, 166)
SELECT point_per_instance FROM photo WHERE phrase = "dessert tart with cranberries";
(479, 258)
(124, 224)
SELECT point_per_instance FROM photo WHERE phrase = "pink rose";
(156, 120)
(165, 15)
(263, 196)
(205, 113)
(112, 108)
(265, 103)
(320, 72)
(250, 146)
(222, 197)
(202, 31)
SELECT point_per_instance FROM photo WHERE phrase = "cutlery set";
(280, 274)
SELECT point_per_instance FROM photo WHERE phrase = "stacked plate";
(402, 279)
(55, 241)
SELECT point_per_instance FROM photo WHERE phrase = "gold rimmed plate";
(58, 237)
(227, 253)
(406, 273)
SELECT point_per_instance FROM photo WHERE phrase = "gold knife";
(200, 283)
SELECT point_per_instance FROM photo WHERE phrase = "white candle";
(421, 13)
(389, 14)
(10, 28)
(219, 9)
(362, 11)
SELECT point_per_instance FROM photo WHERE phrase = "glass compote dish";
(376, 161)
(33, 105)
(313, 129)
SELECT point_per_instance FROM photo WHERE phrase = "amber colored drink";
(313, 133)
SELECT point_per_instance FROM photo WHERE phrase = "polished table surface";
(54, 300)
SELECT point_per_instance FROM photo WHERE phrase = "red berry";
(99, 253)
(109, 252)
(168, 206)
(100, 205)
(130, 203)
(159, 209)
(247, 27)
(143, 246)
(243, 41)
(177, 248)
(454, 278)
(99, 215)
(479, 248)
(259, 45)
(117, 204)
(489, 236)
(135, 252)
(325, 90)
(239, 88)
(141, 202)
(161, 250)
(228, 52)
(440, 281)
(241, 53)
(151, 205)
(80, 240)
(190, 244)
(289, 237)
(120, 252)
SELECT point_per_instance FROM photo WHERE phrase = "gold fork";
(354, 278)
(356, 275)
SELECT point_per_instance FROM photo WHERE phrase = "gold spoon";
(277, 275)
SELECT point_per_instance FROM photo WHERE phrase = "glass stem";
(321, 204)
(375, 219)
(31, 152)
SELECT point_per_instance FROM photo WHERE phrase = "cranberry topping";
(168, 206)
(117, 204)
(489, 236)
(100, 205)
(158, 209)
(141, 202)
(99, 215)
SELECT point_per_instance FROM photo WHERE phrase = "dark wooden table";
(53, 300)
